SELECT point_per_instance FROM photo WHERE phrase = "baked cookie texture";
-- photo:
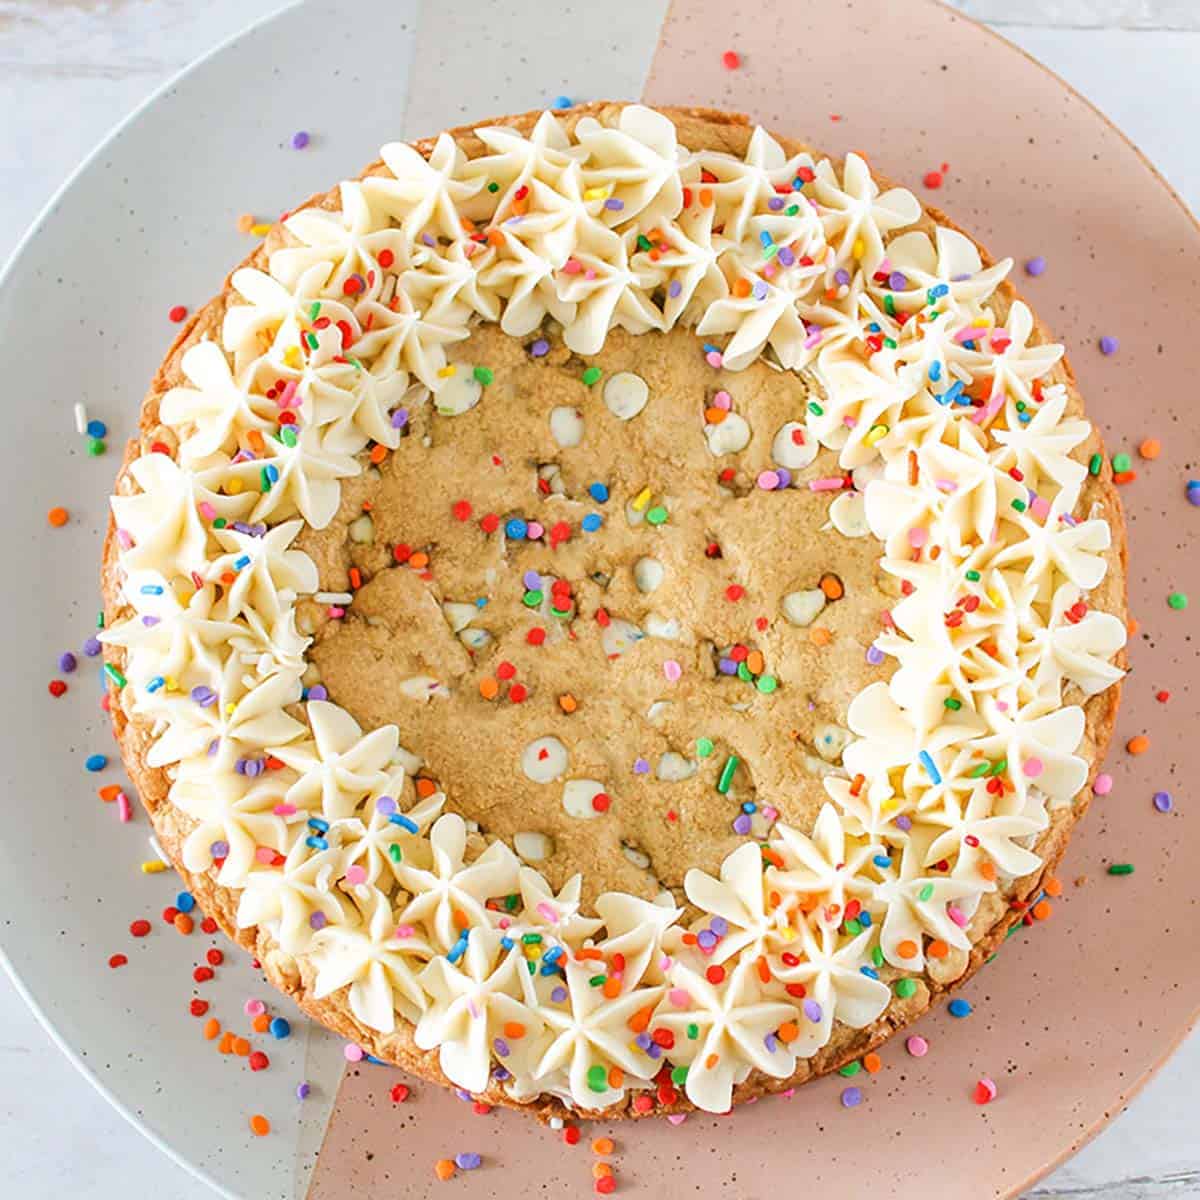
(713, 627)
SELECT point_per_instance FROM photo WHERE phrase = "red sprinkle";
(734, 592)
(117, 960)
(202, 974)
(57, 687)
(731, 60)
(601, 801)
(489, 523)
(518, 693)
(571, 1135)
(399, 1093)
(461, 510)
(606, 1184)
(177, 313)
(139, 928)
(259, 1061)
(215, 957)
(1162, 697)
(198, 1007)
(208, 925)
(536, 636)
(505, 670)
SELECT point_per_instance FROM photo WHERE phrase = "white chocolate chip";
(830, 741)
(867, 473)
(618, 636)
(577, 798)
(674, 768)
(657, 709)
(787, 452)
(729, 437)
(474, 639)
(422, 688)
(544, 759)
(459, 394)
(803, 608)
(662, 627)
(849, 515)
(566, 426)
(533, 847)
(362, 530)
(626, 394)
(639, 858)
(648, 574)
(459, 615)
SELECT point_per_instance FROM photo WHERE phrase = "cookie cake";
(617, 611)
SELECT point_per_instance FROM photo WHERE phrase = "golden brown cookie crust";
(698, 129)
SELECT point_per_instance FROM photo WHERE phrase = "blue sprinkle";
(280, 1028)
(882, 861)
(935, 371)
(319, 825)
(506, 943)
(869, 972)
(598, 492)
(405, 823)
(561, 102)
(97, 429)
(930, 768)
(151, 589)
(959, 1008)
(468, 1161)
(592, 522)
(96, 762)
(515, 528)
(316, 843)
(864, 919)
(185, 902)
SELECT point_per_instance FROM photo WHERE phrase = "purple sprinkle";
(1162, 801)
(463, 1094)
(851, 1097)
(875, 656)
(641, 766)
(771, 1043)
(643, 1041)
(727, 666)
(150, 622)
(775, 203)
(67, 662)
(558, 995)
(784, 476)
(655, 1051)
(467, 1161)
(706, 939)
(213, 747)
(318, 920)
(759, 291)
(613, 204)
(400, 418)
(385, 805)
(91, 647)
(719, 926)
(532, 581)
(674, 288)
(429, 239)
(501, 1048)
(897, 282)
(299, 139)
(741, 824)
(219, 849)
(501, 1074)
(786, 256)
(1035, 265)
(1109, 344)
(302, 1091)
(812, 1010)
(842, 276)
(318, 692)
(904, 823)
(540, 348)
(203, 696)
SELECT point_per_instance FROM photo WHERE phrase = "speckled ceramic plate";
(1071, 1019)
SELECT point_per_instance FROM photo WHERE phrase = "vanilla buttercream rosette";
(380, 909)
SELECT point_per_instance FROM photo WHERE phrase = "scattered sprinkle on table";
(467, 1160)
(1150, 448)
(177, 313)
(1178, 601)
(300, 139)
(1138, 744)
(1036, 265)
(57, 517)
(985, 1091)
(1109, 344)
(1162, 801)
(917, 1046)
(1103, 785)
(563, 101)
(852, 1097)
(959, 1008)
(731, 60)
(1120, 868)
(96, 762)
(444, 1168)
(259, 1125)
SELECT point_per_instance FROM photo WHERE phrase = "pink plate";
(1076, 1014)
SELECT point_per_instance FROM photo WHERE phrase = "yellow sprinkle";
(153, 866)
(875, 433)
(641, 499)
(261, 229)
(446, 371)
(229, 708)
(233, 487)
(787, 934)
(291, 357)
(596, 193)
(890, 803)
(996, 600)
(859, 248)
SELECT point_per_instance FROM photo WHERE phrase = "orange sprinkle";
(640, 1021)
(444, 1169)
(1053, 886)
(1138, 745)
(425, 787)
(820, 636)
(987, 870)
(937, 949)
(256, 441)
(764, 970)
(355, 578)
(226, 1046)
(57, 517)
(378, 453)
(109, 792)
(588, 952)
(567, 702)
(212, 1027)
(1042, 910)
(789, 1031)
(616, 1078)
(706, 197)
(714, 416)
(183, 923)
(872, 1063)
(772, 856)
(241, 1047)
(514, 1029)
(1150, 448)
(601, 1170)
(711, 1061)
(419, 560)
(756, 662)
(907, 949)
(489, 688)
(1132, 625)
(741, 289)
(611, 988)
(259, 1125)
(831, 585)
(461, 920)
(602, 1145)
(261, 1023)
(246, 222)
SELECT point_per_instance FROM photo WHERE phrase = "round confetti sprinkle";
(1162, 801)
(563, 102)
(57, 517)
(444, 1169)
(57, 688)
(985, 1091)
(731, 60)
(259, 1125)
(1109, 344)
(1103, 785)
(1150, 448)
(1036, 265)
(177, 313)
(917, 1046)
(117, 960)
(852, 1097)
(353, 1052)
(467, 1161)
(280, 1028)
(1178, 601)
(303, 1090)
(959, 1008)
(933, 179)
(96, 762)
(92, 647)
(300, 139)
(139, 929)
(1138, 745)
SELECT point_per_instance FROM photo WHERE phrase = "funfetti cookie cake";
(617, 611)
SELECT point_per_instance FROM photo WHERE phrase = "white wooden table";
(69, 69)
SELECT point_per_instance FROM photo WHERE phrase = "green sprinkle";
(743, 672)
(311, 339)
(264, 480)
(999, 766)
(679, 1076)
(100, 619)
(511, 902)
(493, 188)
(766, 684)
(854, 928)
(597, 981)
(530, 966)
(114, 675)
(791, 210)
(704, 747)
(926, 893)
(287, 435)
(532, 599)
(890, 343)
(727, 773)
(906, 988)
(95, 447)
(1094, 464)
(220, 523)
(597, 1076)
(979, 770)
(850, 1069)
(1121, 463)
(485, 375)
(815, 409)
(1120, 869)
(531, 939)
(644, 243)
(395, 853)
(657, 515)
(592, 375)
(974, 576)
(693, 1031)
(876, 956)
(889, 305)
(1178, 601)
(770, 251)
(952, 704)
(1020, 505)
(559, 612)
(315, 310)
